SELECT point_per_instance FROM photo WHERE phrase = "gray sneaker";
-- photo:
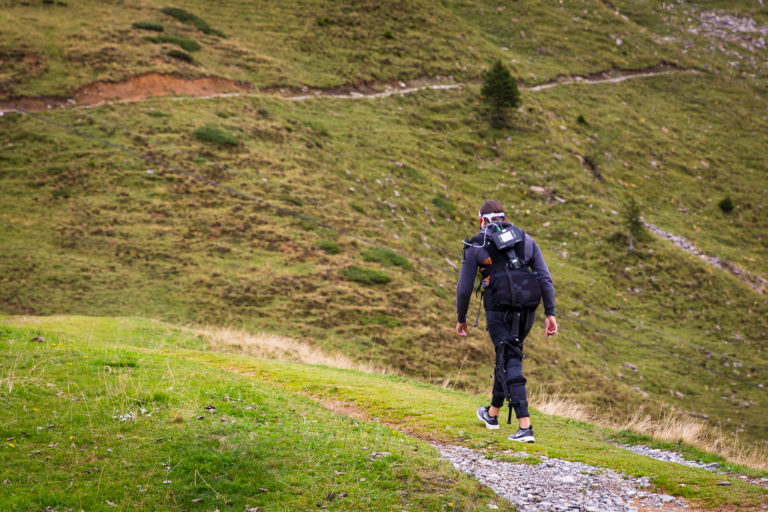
(523, 435)
(491, 422)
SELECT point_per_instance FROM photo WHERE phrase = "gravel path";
(757, 283)
(559, 485)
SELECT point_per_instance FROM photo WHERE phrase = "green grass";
(93, 424)
(135, 410)
(85, 228)
(386, 257)
(200, 265)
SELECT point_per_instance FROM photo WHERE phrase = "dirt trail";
(150, 85)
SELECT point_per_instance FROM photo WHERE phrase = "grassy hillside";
(93, 228)
(131, 414)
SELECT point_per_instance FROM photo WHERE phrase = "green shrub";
(157, 113)
(322, 22)
(263, 112)
(365, 275)
(215, 135)
(444, 205)
(185, 44)
(224, 114)
(148, 25)
(329, 247)
(388, 34)
(357, 207)
(178, 54)
(581, 119)
(726, 205)
(190, 19)
(386, 257)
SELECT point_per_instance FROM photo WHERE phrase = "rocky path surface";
(542, 484)
(757, 283)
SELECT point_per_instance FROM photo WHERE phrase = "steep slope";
(110, 229)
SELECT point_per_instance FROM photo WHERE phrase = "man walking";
(514, 278)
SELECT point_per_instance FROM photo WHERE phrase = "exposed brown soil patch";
(136, 88)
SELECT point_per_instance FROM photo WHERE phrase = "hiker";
(514, 279)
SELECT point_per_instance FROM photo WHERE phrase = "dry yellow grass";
(271, 346)
(554, 404)
(669, 427)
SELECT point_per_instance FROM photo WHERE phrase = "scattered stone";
(38, 339)
(197, 500)
(541, 191)
(724, 483)
(376, 455)
(631, 366)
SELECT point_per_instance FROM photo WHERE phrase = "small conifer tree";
(500, 92)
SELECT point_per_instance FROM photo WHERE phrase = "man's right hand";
(461, 328)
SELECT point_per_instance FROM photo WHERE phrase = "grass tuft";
(215, 135)
(329, 247)
(365, 275)
(386, 257)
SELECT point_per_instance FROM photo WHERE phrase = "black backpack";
(507, 283)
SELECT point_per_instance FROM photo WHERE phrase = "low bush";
(148, 25)
(386, 257)
(329, 247)
(365, 275)
(178, 54)
(190, 19)
(184, 44)
(215, 135)
(726, 205)
(388, 34)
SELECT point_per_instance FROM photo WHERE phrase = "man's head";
(491, 211)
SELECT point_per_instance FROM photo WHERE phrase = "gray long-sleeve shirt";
(474, 257)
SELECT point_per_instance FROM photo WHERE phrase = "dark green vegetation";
(190, 19)
(131, 414)
(148, 25)
(500, 93)
(87, 228)
(215, 135)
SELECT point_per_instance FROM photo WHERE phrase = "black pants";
(500, 326)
